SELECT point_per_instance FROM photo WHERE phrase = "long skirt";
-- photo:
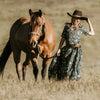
(67, 65)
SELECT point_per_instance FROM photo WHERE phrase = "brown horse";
(35, 36)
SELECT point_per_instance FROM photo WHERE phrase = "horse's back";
(20, 22)
(19, 32)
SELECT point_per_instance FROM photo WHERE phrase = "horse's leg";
(17, 54)
(25, 65)
(44, 66)
(35, 67)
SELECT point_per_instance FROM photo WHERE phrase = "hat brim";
(77, 17)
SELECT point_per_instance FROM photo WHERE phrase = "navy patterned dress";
(68, 64)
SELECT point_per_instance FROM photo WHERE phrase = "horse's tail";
(4, 56)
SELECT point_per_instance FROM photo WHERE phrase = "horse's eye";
(39, 25)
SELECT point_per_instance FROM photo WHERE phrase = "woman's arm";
(90, 27)
(60, 45)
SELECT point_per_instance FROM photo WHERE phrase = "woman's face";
(76, 21)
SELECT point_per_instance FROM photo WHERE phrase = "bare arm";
(90, 27)
(60, 45)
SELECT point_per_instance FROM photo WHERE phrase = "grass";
(86, 89)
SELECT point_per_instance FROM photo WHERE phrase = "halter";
(35, 33)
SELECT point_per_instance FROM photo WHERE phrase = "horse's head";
(36, 24)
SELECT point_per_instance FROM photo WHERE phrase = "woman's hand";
(58, 52)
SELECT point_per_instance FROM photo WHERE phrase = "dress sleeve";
(85, 31)
(64, 33)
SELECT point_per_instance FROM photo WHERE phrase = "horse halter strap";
(35, 33)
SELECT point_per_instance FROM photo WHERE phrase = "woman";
(69, 57)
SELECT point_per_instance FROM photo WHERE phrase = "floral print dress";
(68, 64)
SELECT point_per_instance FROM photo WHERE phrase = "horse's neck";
(23, 30)
(48, 28)
(48, 32)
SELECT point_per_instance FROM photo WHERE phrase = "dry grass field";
(86, 89)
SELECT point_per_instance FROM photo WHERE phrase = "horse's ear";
(40, 13)
(30, 12)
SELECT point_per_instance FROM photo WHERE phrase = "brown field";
(86, 89)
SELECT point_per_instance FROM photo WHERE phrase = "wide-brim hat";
(78, 15)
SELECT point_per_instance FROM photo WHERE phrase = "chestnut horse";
(35, 36)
